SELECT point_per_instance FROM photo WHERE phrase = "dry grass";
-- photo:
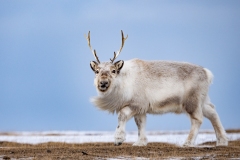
(233, 130)
(52, 151)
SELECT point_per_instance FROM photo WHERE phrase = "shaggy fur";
(137, 87)
(158, 83)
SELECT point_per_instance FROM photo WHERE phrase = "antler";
(118, 52)
(89, 45)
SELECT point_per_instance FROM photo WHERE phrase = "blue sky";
(45, 78)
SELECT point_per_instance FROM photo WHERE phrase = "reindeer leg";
(210, 113)
(196, 121)
(140, 120)
(123, 116)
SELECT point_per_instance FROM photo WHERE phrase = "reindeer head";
(105, 72)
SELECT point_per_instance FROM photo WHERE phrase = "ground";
(60, 151)
(65, 151)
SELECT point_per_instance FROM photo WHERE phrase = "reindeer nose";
(104, 84)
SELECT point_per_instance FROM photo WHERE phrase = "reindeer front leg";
(123, 116)
(140, 120)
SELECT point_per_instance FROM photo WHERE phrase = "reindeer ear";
(93, 65)
(119, 65)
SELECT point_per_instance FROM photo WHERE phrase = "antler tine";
(95, 55)
(123, 40)
(89, 45)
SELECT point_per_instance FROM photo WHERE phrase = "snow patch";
(174, 137)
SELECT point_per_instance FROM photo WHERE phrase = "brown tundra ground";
(64, 151)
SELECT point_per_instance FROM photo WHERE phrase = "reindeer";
(136, 87)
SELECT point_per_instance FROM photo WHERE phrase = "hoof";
(117, 144)
(188, 144)
(142, 142)
(119, 138)
(222, 141)
(225, 143)
(139, 144)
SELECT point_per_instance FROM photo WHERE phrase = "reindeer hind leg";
(193, 108)
(210, 113)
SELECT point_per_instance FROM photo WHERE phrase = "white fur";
(210, 75)
(158, 87)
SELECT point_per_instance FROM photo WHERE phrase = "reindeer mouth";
(103, 86)
(103, 89)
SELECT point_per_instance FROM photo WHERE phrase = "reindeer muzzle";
(103, 85)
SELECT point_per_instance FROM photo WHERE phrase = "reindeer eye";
(96, 71)
(113, 71)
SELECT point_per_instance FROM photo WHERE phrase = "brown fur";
(184, 71)
(192, 101)
(169, 101)
(138, 122)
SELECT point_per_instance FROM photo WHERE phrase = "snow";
(175, 137)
